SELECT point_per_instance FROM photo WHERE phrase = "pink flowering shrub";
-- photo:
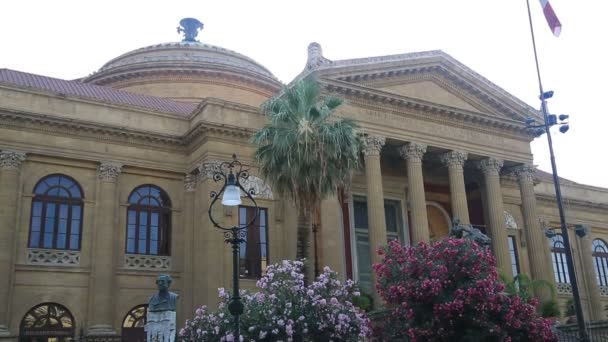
(449, 291)
(285, 310)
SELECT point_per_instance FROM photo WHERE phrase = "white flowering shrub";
(286, 310)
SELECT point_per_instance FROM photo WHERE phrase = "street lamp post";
(231, 173)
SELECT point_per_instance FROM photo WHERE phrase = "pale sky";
(71, 39)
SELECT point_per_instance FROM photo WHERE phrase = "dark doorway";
(133, 324)
(47, 322)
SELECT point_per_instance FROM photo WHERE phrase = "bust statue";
(163, 300)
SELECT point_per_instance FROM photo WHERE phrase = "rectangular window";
(394, 229)
(254, 250)
(513, 254)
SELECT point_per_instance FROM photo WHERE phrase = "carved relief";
(11, 160)
(208, 167)
(510, 220)
(262, 190)
(373, 145)
(454, 159)
(412, 151)
(53, 257)
(109, 171)
(564, 288)
(147, 262)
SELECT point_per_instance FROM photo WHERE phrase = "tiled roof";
(93, 92)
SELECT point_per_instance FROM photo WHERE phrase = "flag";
(554, 24)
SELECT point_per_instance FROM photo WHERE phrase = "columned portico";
(455, 160)
(10, 167)
(102, 305)
(412, 153)
(490, 167)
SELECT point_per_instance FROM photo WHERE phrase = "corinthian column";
(454, 160)
(10, 166)
(538, 247)
(375, 195)
(103, 251)
(490, 168)
(413, 153)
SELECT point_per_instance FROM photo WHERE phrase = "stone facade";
(442, 143)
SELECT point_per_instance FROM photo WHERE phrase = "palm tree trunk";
(304, 228)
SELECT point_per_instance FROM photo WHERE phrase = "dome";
(188, 71)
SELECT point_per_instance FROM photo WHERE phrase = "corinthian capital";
(373, 145)
(454, 159)
(190, 182)
(525, 172)
(412, 151)
(490, 166)
(11, 160)
(109, 171)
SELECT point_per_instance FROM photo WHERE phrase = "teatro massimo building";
(105, 182)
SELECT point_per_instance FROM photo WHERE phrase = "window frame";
(562, 276)
(514, 253)
(402, 231)
(163, 210)
(57, 201)
(602, 257)
(256, 223)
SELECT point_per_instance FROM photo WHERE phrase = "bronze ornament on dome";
(189, 27)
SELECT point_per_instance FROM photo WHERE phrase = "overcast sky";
(71, 39)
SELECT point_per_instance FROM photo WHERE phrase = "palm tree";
(525, 287)
(305, 153)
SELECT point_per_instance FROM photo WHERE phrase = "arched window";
(133, 324)
(558, 256)
(56, 218)
(600, 260)
(148, 221)
(47, 322)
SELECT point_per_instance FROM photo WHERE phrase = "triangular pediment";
(431, 78)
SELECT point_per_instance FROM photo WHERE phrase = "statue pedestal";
(160, 326)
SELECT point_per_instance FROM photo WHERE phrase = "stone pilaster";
(455, 160)
(188, 287)
(375, 200)
(539, 252)
(413, 153)
(596, 308)
(102, 305)
(490, 168)
(10, 167)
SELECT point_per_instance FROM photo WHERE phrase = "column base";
(5, 334)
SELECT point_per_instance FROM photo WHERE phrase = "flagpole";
(558, 194)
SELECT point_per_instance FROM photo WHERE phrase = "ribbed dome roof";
(182, 57)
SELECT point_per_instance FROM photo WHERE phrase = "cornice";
(100, 132)
(172, 77)
(421, 109)
(122, 76)
(573, 202)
